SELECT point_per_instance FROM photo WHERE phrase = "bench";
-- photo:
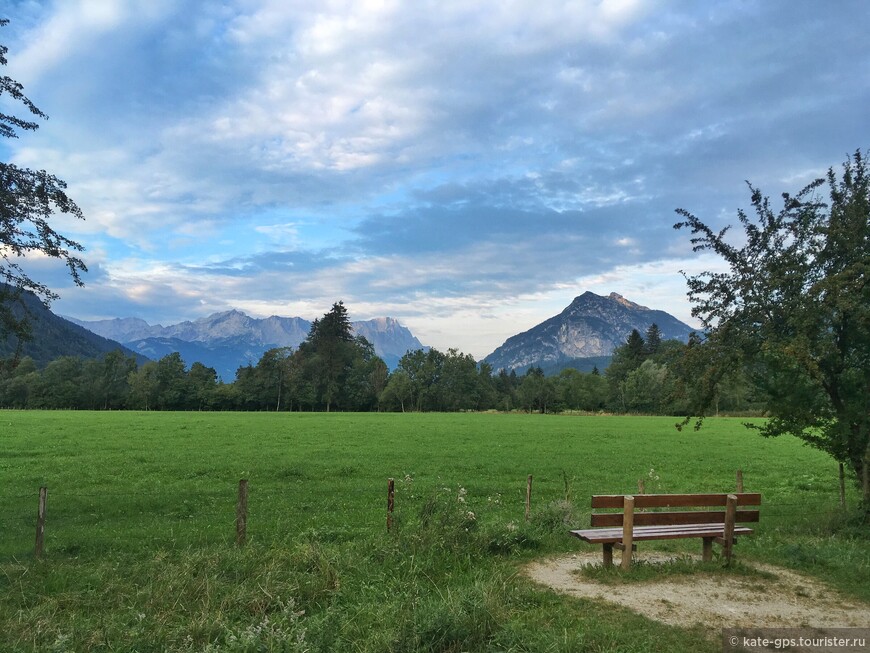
(620, 530)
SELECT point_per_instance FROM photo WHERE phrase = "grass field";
(140, 534)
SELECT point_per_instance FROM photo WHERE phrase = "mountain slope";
(54, 336)
(591, 326)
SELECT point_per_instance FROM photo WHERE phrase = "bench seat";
(612, 535)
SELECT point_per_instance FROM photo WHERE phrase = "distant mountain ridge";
(592, 326)
(233, 339)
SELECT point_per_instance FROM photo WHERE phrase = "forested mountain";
(592, 326)
(54, 336)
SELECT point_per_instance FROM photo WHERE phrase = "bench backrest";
(674, 517)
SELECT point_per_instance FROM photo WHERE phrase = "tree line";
(335, 370)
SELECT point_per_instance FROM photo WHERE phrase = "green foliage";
(536, 392)
(28, 199)
(653, 340)
(434, 381)
(336, 368)
(793, 312)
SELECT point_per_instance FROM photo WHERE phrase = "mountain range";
(583, 335)
(232, 339)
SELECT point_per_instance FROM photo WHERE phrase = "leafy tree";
(579, 391)
(399, 389)
(172, 382)
(144, 387)
(595, 396)
(793, 310)
(60, 385)
(460, 388)
(537, 392)
(28, 199)
(506, 389)
(112, 383)
(645, 388)
(18, 379)
(359, 391)
(626, 358)
(248, 391)
(570, 388)
(424, 370)
(486, 393)
(379, 376)
(273, 371)
(202, 383)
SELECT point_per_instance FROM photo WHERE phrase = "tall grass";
(140, 548)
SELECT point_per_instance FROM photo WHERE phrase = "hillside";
(54, 336)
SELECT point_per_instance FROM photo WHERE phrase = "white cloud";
(424, 157)
(77, 25)
(280, 235)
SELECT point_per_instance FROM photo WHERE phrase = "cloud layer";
(467, 169)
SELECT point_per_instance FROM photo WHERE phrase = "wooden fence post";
(739, 481)
(242, 513)
(391, 502)
(842, 486)
(40, 521)
(528, 497)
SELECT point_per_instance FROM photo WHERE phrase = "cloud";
(425, 158)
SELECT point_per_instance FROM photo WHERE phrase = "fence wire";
(341, 509)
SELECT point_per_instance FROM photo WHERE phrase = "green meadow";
(140, 541)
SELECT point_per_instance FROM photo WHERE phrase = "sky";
(465, 167)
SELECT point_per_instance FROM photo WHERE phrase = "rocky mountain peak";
(592, 326)
(615, 296)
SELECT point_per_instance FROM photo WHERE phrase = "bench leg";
(707, 555)
(627, 531)
(730, 518)
(626, 556)
(608, 555)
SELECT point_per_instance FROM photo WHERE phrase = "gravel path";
(789, 600)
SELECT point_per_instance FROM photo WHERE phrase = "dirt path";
(789, 600)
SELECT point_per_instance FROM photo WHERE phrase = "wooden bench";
(620, 530)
